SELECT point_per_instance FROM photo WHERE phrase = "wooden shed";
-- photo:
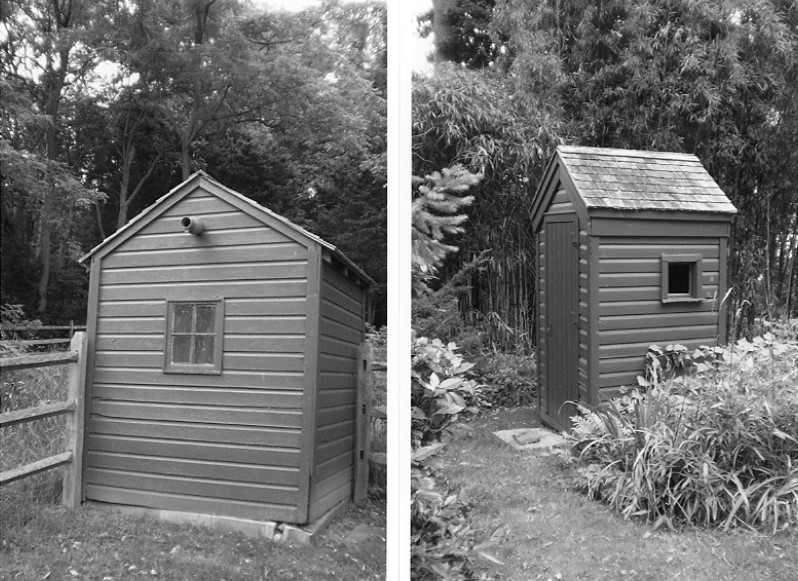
(223, 355)
(632, 250)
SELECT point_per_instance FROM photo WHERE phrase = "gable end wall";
(224, 444)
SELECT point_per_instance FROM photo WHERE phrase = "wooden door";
(562, 296)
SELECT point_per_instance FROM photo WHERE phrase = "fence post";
(363, 424)
(74, 423)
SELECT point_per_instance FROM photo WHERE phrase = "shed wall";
(631, 314)
(341, 331)
(225, 444)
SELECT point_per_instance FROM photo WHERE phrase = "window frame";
(214, 368)
(696, 275)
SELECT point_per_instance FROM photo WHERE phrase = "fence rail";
(72, 408)
(42, 328)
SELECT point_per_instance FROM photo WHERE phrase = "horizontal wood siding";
(585, 331)
(631, 314)
(340, 335)
(542, 320)
(226, 444)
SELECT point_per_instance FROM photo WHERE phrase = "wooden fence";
(72, 458)
(366, 369)
(71, 329)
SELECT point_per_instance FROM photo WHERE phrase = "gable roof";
(201, 180)
(629, 180)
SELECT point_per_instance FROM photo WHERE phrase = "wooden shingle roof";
(642, 180)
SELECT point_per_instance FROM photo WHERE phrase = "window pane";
(181, 349)
(679, 277)
(203, 349)
(206, 319)
(181, 323)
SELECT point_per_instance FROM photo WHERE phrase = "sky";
(421, 46)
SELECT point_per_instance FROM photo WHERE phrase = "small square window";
(681, 277)
(194, 337)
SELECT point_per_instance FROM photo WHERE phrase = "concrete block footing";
(268, 530)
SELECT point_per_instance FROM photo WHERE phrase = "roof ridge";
(603, 151)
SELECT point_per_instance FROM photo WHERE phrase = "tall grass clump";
(31, 441)
(715, 446)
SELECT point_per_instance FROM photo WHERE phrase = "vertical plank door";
(562, 292)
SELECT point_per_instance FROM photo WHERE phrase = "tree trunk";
(185, 155)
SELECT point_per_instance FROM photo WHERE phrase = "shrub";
(507, 379)
(440, 389)
(716, 446)
(439, 539)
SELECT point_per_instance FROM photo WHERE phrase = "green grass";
(42, 540)
(526, 512)
(93, 543)
(31, 441)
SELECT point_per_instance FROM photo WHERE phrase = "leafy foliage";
(436, 214)
(440, 389)
(439, 540)
(717, 446)
(717, 79)
(107, 105)
(507, 379)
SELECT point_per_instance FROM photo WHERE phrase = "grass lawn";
(98, 544)
(526, 514)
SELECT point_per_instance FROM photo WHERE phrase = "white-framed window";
(194, 336)
(681, 278)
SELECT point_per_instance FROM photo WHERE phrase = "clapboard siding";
(631, 207)
(340, 335)
(228, 471)
(253, 306)
(194, 432)
(283, 270)
(213, 452)
(585, 319)
(211, 488)
(272, 435)
(189, 435)
(278, 417)
(279, 250)
(561, 204)
(192, 395)
(195, 504)
(229, 378)
(542, 321)
(627, 328)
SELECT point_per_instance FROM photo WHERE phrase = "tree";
(715, 79)
(287, 108)
(462, 32)
(475, 118)
(48, 52)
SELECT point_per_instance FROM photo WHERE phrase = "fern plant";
(716, 445)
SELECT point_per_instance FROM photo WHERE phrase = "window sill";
(682, 300)
(192, 370)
